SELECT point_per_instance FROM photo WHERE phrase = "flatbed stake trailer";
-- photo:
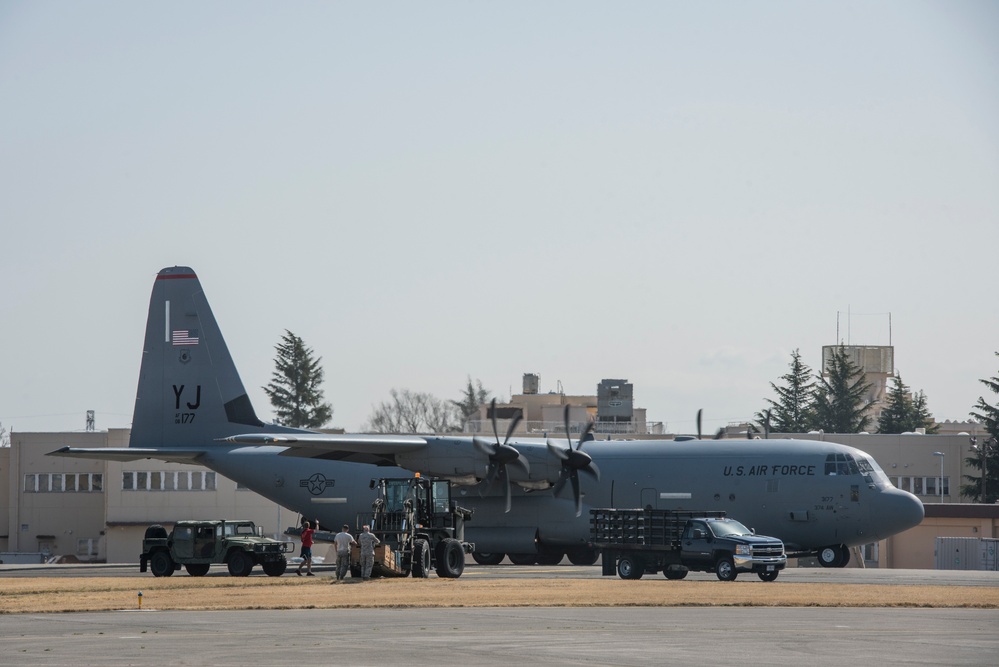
(634, 542)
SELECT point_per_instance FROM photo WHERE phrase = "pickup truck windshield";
(724, 527)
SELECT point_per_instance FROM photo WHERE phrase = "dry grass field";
(34, 595)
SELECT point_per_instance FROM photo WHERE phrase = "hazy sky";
(676, 193)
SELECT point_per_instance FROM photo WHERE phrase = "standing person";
(368, 543)
(307, 537)
(342, 541)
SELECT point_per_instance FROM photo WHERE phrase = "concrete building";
(611, 409)
(98, 510)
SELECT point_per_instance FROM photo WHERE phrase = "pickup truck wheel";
(275, 568)
(450, 559)
(240, 564)
(487, 558)
(725, 569)
(675, 575)
(197, 569)
(629, 568)
(161, 565)
(421, 559)
(768, 576)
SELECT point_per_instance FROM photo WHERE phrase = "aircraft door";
(650, 498)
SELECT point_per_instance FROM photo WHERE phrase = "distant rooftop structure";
(611, 409)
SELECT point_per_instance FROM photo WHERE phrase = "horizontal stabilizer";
(130, 454)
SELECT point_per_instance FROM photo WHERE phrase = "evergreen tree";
(471, 398)
(898, 412)
(903, 413)
(840, 400)
(921, 417)
(294, 388)
(792, 411)
(987, 454)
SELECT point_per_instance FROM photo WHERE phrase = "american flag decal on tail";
(185, 337)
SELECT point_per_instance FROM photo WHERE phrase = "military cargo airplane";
(529, 495)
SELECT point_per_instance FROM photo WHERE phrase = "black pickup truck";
(633, 542)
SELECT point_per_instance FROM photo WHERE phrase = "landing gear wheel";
(197, 569)
(629, 568)
(725, 569)
(487, 558)
(240, 564)
(550, 558)
(161, 564)
(276, 568)
(675, 575)
(421, 559)
(835, 555)
(768, 576)
(522, 559)
(583, 556)
(450, 559)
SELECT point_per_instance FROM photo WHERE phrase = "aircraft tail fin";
(189, 391)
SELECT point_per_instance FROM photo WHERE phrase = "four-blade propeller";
(500, 456)
(574, 461)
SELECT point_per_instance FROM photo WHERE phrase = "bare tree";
(413, 412)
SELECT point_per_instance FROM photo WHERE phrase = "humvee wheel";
(421, 559)
(161, 565)
(450, 559)
(197, 569)
(240, 564)
(275, 568)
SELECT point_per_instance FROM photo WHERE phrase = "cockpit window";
(841, 464)
(872, 472)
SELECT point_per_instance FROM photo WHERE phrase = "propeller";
(500, 455)
(718, 435)
(574, 461)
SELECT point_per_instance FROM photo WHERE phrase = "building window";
(86, 547)
(158, 480)
(68, 482)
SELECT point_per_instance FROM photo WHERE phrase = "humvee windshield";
(239, 529)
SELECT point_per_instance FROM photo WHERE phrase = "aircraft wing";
(315, 444)
(131, 454)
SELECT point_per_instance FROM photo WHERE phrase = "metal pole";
(941, 455)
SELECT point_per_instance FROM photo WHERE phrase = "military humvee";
(198, 544)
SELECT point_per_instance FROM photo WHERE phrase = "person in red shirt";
(307, 533)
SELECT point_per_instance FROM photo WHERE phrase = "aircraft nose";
(895, 511)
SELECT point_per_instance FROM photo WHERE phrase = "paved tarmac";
(514, 636)
(799, 575)
(489, 636)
